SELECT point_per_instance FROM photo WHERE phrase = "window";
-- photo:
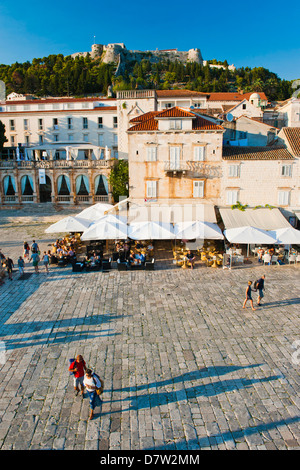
(26, 107)
(286, 170)
(244, 106)
(85, 105)
(199, 153)
(55, 123)
(55, 137)
(115, 139)
(232, 196)
(151, 154)
(175, 124)
(100, 122)
(234, 171)
(101, 140)
(115, 122)
(26, 124)
(55, 106)
(41, 106)
(198, 188)
(242, 135)
(70, 105)
(151, 188)
(70, 123)
(174, 158)
(85, 124)
(41, 139)
(70, 137)
(85, 137)
(12, 140)
(283, 198)
(27, 139)
(40, 124)
(12, 124)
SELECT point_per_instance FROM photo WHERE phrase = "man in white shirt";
(92, 382)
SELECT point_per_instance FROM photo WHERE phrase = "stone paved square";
(185, 367)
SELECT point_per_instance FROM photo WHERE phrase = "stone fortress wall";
(117, 52)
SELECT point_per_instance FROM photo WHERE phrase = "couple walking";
(259, 286)
(84, 377)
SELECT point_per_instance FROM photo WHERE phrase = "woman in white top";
(92, 382)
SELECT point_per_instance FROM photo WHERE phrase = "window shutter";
(198, 189)
(199, 153)
(151, 189)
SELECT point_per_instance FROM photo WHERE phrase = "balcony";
(52, 164)
(196, 168)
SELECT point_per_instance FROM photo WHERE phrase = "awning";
(262, 218)
(198, 230)
(108, 227)
(94, 212)
(151, 231)
(69, 224)
(287, 236)
(171, 213)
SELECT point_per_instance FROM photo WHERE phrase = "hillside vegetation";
(57, 75)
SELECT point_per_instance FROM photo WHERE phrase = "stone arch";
(27, 185)
(9, 185)
(63, 185)
(101, 185)
(82, 185)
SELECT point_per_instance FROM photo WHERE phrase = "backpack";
(98, 390)
(71, 362)
(256, 284)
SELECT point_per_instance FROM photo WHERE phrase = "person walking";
(260, 286)
(92, 382)
(35, 261)
(46, 260)
(9, 267)
(249, 296)
(34, 247)
(78, 368)
(21, 265)
(26, 248)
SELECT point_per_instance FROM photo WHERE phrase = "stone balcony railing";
(199, 168)
(53, 164)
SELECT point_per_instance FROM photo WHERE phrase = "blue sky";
(260, 33)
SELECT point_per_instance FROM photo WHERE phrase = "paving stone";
(184, 366)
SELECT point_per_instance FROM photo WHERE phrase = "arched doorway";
(46, 190)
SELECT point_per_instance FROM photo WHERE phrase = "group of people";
(84, 377)
(64, 248)
(133, 253)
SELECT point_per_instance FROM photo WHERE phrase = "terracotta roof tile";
(292, 135)
(179, 93)
(256, 153)
(150, 123)
(226, 96)
(144, 117)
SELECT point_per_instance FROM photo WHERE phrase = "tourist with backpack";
(78, 367)
(259, 286)
(94, 386)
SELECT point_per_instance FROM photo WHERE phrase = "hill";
(57, 75)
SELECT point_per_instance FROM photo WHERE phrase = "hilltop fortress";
(118, 54)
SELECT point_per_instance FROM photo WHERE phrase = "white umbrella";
(151, 230)
(69, 224)
(95, 211)
(249, 235)
(196, 229)
(108, 227)
(287, 236)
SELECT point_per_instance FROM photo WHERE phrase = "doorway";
(46, 190)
